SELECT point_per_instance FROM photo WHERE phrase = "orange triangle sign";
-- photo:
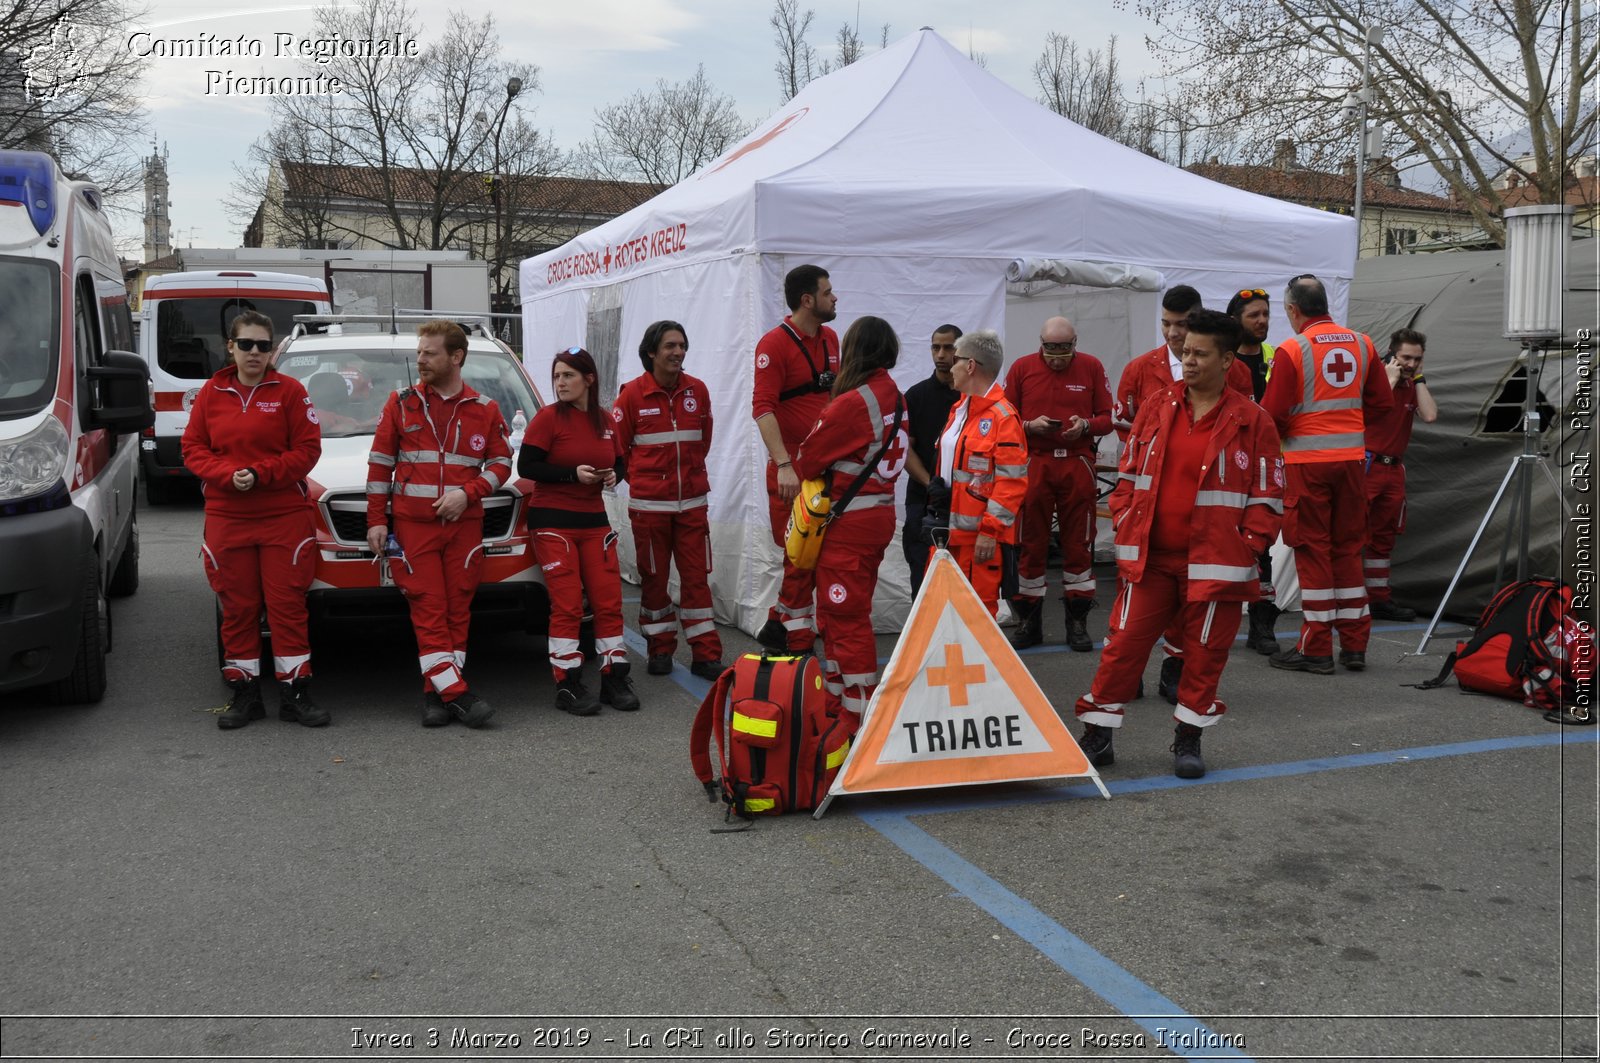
(956, 705)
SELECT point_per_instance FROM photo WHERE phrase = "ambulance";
(73, 397)
(183, 336)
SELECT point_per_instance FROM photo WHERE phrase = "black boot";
(1262, 638)
(1171, 675)
(244, 706)
(1186, 762)
(1096, 745)
(774, 637)
(295, 705)
(1030, 622)
(1077, 631)
(572, 696)
(616, 689)
(470, 709)
(434, 711)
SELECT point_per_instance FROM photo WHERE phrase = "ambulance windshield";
(30, 305)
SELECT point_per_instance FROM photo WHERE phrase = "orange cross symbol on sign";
(956, 674)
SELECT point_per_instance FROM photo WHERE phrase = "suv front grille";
(347, 517)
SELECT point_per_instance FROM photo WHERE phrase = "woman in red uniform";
(862, 426)
(1198, 498)
(252, 439)
(571, 453)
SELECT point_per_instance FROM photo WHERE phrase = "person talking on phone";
(1064, 400)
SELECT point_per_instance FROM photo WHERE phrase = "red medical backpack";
(1529, 647)
(778, 747)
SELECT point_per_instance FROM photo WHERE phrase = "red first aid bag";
(777, 746)
(1529, 647)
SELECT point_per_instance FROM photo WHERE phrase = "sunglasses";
(1058, 348)
(1255, 293)
(1303, 277)
(252, 345)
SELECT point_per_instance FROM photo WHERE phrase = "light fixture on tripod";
(1536, 270)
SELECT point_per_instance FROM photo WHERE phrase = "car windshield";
(28, 330)
(349, 385)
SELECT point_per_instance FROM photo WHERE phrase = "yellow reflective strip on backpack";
(760, 804)
(836, 758)
(751, 725)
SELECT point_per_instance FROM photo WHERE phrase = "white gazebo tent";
(918, 180)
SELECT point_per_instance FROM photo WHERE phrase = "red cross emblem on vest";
(1339, 367)
(894, 456)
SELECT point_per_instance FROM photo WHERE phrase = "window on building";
(1399, 241)
(1503, 413)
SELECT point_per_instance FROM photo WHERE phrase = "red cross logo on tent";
(1338, 367)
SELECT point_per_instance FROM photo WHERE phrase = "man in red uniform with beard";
(1326, 383)
(1064, 401)
(439, 450)
(1388, 436)
(796, 364)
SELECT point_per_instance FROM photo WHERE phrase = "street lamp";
(1356, 106)
(513, 87)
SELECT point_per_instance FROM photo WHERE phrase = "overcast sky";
(590, 53)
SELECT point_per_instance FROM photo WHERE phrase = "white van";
(72, 398)
(183, 336)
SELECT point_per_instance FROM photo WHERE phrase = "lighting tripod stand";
(1536, 275)
(1518, 480)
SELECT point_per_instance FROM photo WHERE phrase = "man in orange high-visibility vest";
(1326, 381)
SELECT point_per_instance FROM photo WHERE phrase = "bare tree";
(1082, 86)
(69, 85)
(428, 154)
(1470, 88)
(798, 62)
(848, 44)
(663, 136)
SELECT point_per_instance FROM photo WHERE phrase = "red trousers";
(794, 609)
(1325, 520)
(847, 578)
(250, 563)
(1386, 519)
(984, 576)
(579, 563)
(1138, 616)
(439, 574)
(661, 541)
(1060, 489)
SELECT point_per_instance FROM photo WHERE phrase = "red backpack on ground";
(1529, 647)
(779, 748)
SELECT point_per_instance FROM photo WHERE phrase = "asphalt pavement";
(1368, 871)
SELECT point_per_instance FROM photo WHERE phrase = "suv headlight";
(33, 463)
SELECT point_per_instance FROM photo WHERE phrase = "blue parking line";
(1154, 783)
(1129, 996)
(698, 688)
(1137, 1001)
(1171, 1026)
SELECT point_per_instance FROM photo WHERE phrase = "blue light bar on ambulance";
(29, 178)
